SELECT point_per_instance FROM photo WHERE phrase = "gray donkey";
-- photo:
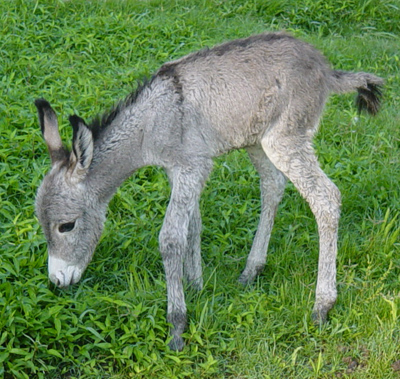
(264, 93)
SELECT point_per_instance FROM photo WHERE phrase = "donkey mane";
(102, 122)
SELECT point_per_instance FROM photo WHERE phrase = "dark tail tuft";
(369, 99)
(369, 88)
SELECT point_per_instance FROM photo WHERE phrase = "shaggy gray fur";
(264, 93)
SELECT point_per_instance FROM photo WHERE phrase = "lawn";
(83, 56)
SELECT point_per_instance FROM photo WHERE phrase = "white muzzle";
(63, 274)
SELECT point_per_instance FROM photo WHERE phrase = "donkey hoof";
(321, 309)
(248, 275)
(176, 343)
(320, 316)
(245, 279)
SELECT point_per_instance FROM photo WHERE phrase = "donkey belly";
(226, 121)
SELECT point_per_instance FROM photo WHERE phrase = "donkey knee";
(335, 198)
(172, 241)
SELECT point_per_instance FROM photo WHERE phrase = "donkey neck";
(117, 154)
(125, 145)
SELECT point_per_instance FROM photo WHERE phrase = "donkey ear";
(82, 148)
(49, 126)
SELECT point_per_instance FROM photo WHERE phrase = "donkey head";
(70, 214)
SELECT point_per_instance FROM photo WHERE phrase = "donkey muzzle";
(63, 274)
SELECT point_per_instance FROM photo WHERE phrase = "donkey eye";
(65, 228)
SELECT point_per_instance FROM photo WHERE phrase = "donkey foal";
(264, 93)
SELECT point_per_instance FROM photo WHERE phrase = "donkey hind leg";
(192, 269)
(272, 185)
(174, 239)
(294, 156)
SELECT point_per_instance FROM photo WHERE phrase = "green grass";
(83, 56)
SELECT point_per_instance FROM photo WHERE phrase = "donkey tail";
(369, 88)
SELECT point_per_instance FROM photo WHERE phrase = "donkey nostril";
(56, 280)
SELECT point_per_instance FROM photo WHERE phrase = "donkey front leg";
(192, 269)
(175, 236)
(172, 246)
